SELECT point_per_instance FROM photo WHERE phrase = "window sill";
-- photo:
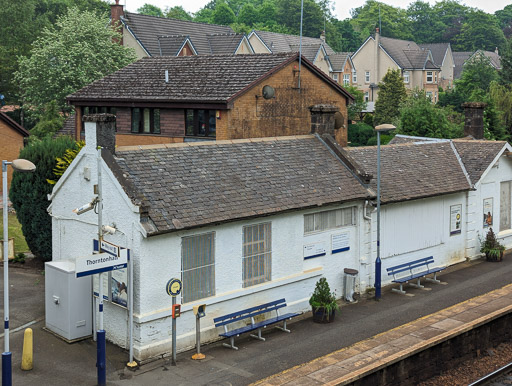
(227, 296)
(505, 233)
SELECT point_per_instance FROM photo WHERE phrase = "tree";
(65, 58)
(502, 99)
(51, 121)
(350, 40)
(223, 15)
(425, 26)
(452, 15)
(476, 76)
(505, 20)
(248, 15)
(178, 12)
(506, 63)
(288, 15)
(29, 193)
(391, 95)
(358, 105)
(479, 31)
(359, 134)
(150, 10)
(419, 117)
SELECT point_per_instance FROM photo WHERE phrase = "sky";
(341, 10)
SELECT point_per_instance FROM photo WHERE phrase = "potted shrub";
(323, 302)
(492, 248)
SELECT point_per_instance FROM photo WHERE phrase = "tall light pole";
(20, 165)
(379, 129)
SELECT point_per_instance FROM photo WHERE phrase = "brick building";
(178, 99)
(11, 141)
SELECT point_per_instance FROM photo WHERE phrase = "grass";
(14, 231)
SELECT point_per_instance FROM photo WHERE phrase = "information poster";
(488, 213)
(455, 219)
(340, 242)
(119, 287)
(314, 250)
(95, 285)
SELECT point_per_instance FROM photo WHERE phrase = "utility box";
(68, 301)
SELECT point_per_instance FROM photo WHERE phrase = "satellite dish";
(268, 92)
(339, 120)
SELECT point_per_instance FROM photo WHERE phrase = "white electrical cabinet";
(68, 301)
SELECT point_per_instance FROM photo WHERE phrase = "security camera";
(86, 207)
(108, 229)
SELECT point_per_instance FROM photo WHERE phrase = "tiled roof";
(400, 138)
(494, 58)
(192, 185)
(406, 53)
(148, 28)
(309, 51)
(279, 42)
(477, 155)
(15, 125)
(338, 60)
(170, 45)
(191, 78)
(413, 171)
(68, 128)
(438, 51)
(200, 79)
(459, 58)
(224, 43)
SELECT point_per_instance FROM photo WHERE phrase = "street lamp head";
(23, 165)
(384, 127)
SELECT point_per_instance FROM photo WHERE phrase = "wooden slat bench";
(414, 270)
(250, 313)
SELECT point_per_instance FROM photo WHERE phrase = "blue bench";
(414, 270)
(251, 313)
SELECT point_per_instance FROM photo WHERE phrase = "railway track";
(502, 376)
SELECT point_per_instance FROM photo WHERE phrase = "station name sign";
(101, 262)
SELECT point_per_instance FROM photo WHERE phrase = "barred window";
(329, 219)
(198, 266)
(257, 254)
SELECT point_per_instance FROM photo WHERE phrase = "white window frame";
(406, 77)
(366, 96)
(429, 94)
(505, 205)
(430, 76)
(367, 77)
(194, 265)
(329, 219)
(354, 77)
(335, 76)
(346, 79)
(256, 254)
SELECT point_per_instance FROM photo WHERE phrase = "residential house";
(12, 137)
(176, 99)
(461, 58)
(159, 36)
(443, 57)
(337, 65)
(378, 54)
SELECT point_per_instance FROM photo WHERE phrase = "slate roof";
(494, 58)
(171, 45)
(413, 171)
(400, 138)
(68, 127)
(201, 79)
(459, 58)
(224, 43)
(148, 28)
(406, 53)
(338, 60)
(477, 155)
(191, 185)
(278, 42)
(438, 51)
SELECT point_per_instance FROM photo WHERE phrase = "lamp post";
(20, 165)
(379, 129)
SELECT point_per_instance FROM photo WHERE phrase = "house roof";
(147, 29)
(477, 155)
(309, 51)
(278, 42)
(407, 54)
(200, 79)
(68, 128)
(459, 58)
(338, 60)
(190, 185)
(171, 45)
(13, 124)
(438, 51)
(224, 43)
(494, 58)
(412, 171)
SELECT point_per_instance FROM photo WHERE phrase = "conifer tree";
(391, 96)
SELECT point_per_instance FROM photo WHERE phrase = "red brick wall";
(11, 142)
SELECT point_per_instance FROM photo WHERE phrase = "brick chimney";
(474, 121)
(100, 130)
(116, 12)
(323, 121)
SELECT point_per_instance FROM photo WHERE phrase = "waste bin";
(350, 284)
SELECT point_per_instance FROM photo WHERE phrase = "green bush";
(359, 134)
(29, 193)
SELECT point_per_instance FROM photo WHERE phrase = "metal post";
(173, 335)
(131, 363)
(378, 261)
(300, 40)
(101, 355)
(6, 355)
(198, 355)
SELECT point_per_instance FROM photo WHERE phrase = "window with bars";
(257, 254)
(198, 266)
(329, 219)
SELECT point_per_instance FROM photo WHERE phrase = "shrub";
(29, 193)
(323, 298)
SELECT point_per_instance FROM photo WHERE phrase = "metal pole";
(300, 40)
(6, 355)
(173, 334)
(198, 336)
(101, 355)
(378, 261)
(131, 363)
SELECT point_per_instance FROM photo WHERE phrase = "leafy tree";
(77, 51)
(359, 134)
(419, 117)
(506, 63)
(29, 193)
(452, 15)
(391, 95)
(150, 10)
(505, 20)
(502, 99)
(288, 15)
(425, 26)
(476, 76)
(204, 15)
(51, 121)
(350, 40)
(479, 31)
(267, 13)
(358, 105)
(178, 12)
(223, 15)
(248, 15)
(64, 162)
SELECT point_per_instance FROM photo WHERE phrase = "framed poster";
(455, 219)
(96, 282)
(314, 250)
(340, 242)
(488, 213)
(119, 287)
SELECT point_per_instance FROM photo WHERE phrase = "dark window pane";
(212, 124)
(135, 120)
(189, 122)
(156, 121)
(147, 121)
(201, 120)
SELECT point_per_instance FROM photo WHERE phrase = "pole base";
(6, 369)
(197, 357)
(132, 365)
